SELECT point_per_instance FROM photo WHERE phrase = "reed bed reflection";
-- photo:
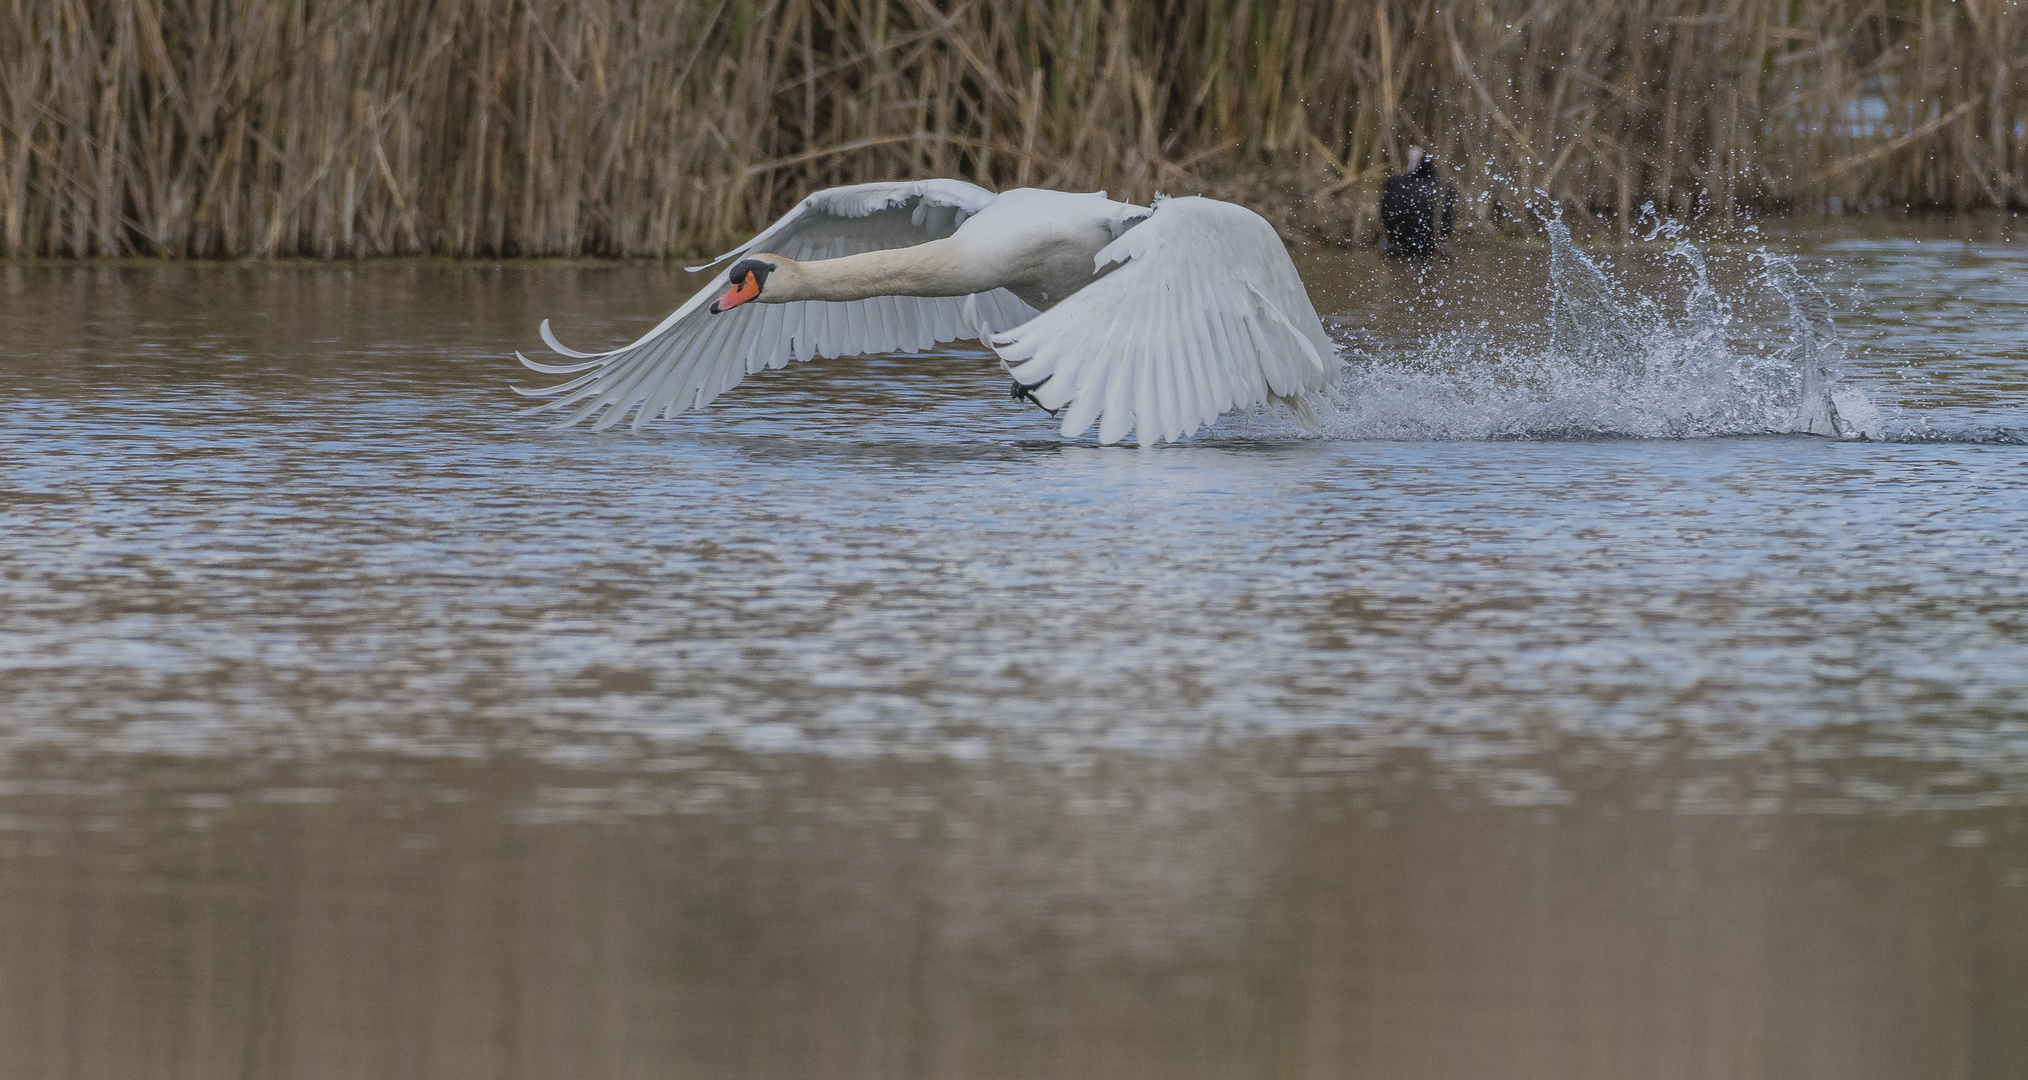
(613, 127)
(443, 919)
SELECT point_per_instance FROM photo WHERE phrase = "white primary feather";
(693, 356)
(1158, 321)
(1201, 313)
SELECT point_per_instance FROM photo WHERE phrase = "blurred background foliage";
(672, 127)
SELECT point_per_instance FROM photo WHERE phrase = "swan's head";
(747, 277)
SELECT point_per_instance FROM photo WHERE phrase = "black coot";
(1416, 208)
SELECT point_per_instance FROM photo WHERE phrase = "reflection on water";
(884, 918)
(351, 723)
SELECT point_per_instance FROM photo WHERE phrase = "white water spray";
(1609, 366)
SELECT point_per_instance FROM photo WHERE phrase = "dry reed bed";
(667, 127)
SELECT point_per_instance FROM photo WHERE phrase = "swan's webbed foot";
(1021, 391)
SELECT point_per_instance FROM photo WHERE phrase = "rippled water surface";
(1559, 713)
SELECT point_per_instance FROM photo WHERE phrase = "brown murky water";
(352, 724)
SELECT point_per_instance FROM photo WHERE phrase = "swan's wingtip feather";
(560, 369)
(701, 267)
(549, 339)
(546, 369)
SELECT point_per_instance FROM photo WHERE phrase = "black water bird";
(1416, 208)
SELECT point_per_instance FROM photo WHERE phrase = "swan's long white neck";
(937, 268)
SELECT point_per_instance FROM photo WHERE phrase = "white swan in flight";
(1151, 320)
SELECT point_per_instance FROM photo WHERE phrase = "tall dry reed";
(663, 127)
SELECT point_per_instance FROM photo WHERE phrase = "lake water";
(1559, 714)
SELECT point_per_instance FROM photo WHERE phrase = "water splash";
(1826, 406)
(1608, 364)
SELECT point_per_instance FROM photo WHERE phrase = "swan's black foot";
(1023, 392)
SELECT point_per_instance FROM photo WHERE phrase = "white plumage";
(1153, 321)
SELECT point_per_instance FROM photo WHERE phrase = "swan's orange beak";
(746, 288)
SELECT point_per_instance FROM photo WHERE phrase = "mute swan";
(1155, 320)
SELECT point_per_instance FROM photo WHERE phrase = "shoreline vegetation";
(237, 128)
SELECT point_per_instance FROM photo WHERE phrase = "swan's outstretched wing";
(694, 356)
(1201, 314)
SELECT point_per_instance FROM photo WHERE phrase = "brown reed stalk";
(624, 127)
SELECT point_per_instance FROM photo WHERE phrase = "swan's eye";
(753, 268)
